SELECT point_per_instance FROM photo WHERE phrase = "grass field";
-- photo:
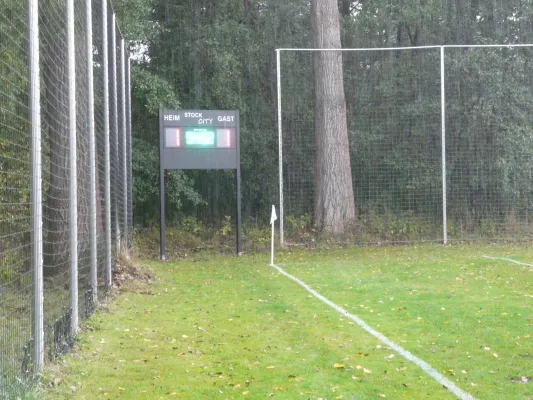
(218, 327)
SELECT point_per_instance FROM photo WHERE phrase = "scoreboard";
(199, 139)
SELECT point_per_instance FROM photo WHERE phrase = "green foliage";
(192, 225)
(146, 195)
(257, 239)
(376, 227)
(226, 228)
(220, 55)
(15, 167)
(153, 91)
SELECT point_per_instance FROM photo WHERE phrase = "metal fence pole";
(73, 178)
(443, 145)
(114, 105)
(124, 144)
(130, 159)
(36, 198)
(280, 150)
(92, 151)
(107, 150)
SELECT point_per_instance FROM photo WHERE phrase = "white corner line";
(509, 260)
(428, 369)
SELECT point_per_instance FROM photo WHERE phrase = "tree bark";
(334, 200)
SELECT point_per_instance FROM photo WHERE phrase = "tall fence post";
(36, 198)
(130, 159)
(114, 106)
(124, 144)
(280, 150)
(73, 178)
(443, 145)
(92, 152)
(107, 149)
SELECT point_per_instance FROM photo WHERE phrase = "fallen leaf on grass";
(338, 366)
(450, 372)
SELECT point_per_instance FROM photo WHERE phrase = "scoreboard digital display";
(200, 138)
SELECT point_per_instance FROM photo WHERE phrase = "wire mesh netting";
(394, 108)
(21, 355)
(489, 138)
(56, 175)
(393, 117)
(15, 192)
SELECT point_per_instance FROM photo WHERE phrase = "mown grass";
(221, 327)
(468, 316)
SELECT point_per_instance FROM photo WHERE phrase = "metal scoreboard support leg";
(238, 177)
(162, 227)
(238, 222)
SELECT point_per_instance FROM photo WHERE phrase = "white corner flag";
(273, 218)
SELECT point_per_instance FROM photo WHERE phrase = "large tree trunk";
(334, 199)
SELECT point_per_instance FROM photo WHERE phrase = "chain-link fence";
(65, 175)
(414, 116)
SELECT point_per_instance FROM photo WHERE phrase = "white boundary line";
(509, 260)
(428, 369)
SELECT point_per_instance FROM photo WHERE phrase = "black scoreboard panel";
(199, 139)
